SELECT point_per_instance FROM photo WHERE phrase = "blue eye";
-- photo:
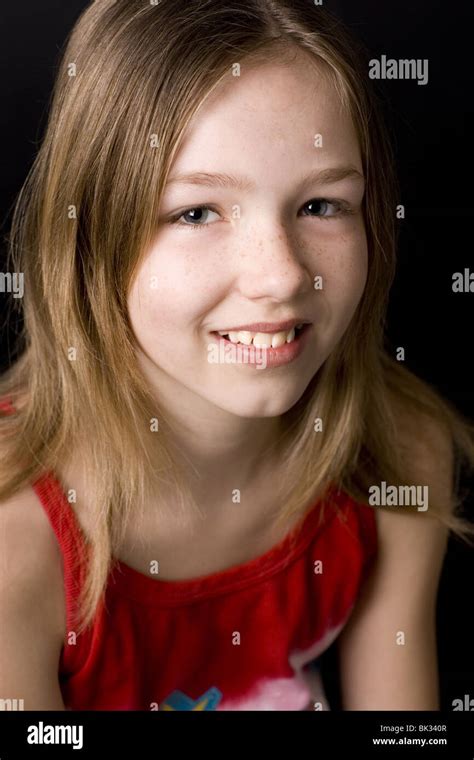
(194, 225)
(323, 205)
(327, 209)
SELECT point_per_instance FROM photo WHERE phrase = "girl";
(195, 435)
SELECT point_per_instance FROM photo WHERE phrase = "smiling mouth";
(263, 340)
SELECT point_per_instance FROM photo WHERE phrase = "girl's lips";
(270, 357)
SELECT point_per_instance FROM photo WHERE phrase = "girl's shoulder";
(31, 562)
(398, 603)
(32, 603)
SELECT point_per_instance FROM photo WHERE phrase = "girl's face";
(285, 245)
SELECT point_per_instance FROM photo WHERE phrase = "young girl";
(211, 467)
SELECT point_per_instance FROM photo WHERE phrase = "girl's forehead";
(280, 85)
(271, 114)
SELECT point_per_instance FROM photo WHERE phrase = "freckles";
(345, 261)
(196, 265)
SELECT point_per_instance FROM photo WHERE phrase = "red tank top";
(245, 638)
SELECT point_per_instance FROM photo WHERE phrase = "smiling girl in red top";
(204, 401)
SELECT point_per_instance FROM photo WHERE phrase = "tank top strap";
(70, 538)
(359, 518)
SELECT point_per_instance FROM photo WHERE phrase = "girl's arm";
(387, 650)
(31, 606)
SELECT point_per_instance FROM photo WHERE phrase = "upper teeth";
(261, 340)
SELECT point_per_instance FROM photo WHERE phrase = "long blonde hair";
(132, 75)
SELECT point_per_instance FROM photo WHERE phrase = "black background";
(433, 132)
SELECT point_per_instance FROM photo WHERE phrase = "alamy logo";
(463, 282)
(236, 353)
(12, 704)
(466, 704)
(399, 496)
(390, 68)
(41, 734)
(12, 283)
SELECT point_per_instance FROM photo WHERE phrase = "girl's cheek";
(169, 291)
(180, 279)
(342, 262)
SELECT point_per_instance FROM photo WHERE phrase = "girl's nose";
(273, 266)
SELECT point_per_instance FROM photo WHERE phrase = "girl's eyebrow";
(318, 176)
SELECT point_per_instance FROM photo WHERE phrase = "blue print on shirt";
(179, 701)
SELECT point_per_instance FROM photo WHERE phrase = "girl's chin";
(255, 405)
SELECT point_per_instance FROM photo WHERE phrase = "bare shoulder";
(388, 648)
(31, 559)
(412, 545)
(32, 606)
